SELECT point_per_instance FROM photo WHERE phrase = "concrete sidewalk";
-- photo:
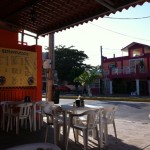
(131, 136)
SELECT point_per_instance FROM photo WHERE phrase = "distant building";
(129, 74)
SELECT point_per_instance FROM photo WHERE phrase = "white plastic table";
(67, 108)
(36, 146)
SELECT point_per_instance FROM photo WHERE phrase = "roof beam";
(106, 4)
(110, 2)
(27, 6)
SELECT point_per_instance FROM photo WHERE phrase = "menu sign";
(17, 68)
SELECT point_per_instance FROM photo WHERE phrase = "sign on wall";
(17, 68)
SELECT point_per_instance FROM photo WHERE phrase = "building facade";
(129, 74)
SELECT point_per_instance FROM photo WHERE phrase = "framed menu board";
(17, 68)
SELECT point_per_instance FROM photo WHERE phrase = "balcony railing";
(126, 70)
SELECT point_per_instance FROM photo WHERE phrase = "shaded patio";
(131, 136)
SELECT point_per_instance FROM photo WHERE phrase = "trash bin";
(55, 94)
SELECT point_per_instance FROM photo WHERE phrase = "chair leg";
(55, 133)
(22, 123)
(3, 122)
(75, 135)
(30, 122)
(46, 132)
(17, 125)
(39, 121)
(68, 132)
(115, 130)
(98, 139)
(8, 123)
(85, 139)
(106, 134)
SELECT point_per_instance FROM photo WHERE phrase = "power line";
(129, 36)
(112, 52)
(111, 49)
(128, 18)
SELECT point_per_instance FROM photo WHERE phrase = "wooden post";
(50, 79)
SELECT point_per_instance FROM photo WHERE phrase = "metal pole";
(36, 40)
(22, 37)
(104, 78)
(101, 58)
(101, 51)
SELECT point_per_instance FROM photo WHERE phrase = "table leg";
(34, 116)
(101, 129)
(65, 129)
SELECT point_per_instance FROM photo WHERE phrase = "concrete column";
(137, 87)
(148, 87)
(110, 87)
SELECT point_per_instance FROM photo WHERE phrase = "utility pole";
(104, 79)
(101, 58)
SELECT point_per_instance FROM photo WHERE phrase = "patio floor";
(131, 136)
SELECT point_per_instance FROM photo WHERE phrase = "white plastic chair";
(109, 118)
(89, 124)
(20, 112)
(55, 114)
(39, 111)
(6, 111)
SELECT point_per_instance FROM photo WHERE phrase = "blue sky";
(111, 34)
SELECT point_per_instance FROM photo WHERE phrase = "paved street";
(131, 111)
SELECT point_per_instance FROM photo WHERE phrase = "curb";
(130, 99)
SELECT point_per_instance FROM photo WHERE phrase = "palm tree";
(86, 78)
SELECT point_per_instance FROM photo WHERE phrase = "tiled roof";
(49, 16)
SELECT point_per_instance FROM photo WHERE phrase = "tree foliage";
(69, 63)
(86, 78)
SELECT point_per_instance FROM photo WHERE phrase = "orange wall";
(10, 40)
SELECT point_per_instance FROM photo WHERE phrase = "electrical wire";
(129, 36)
(111, 49)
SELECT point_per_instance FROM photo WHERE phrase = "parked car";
(63, 88)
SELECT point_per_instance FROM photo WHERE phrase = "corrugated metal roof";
(49, 16)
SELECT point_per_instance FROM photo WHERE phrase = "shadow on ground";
(10, 139)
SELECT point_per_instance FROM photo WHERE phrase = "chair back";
(55, 114)
(6, 105)
(53, 110)
(109, 113)
(23, 110)
(92, 117)
(43, 104)
(57, 110)
(47, 109)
